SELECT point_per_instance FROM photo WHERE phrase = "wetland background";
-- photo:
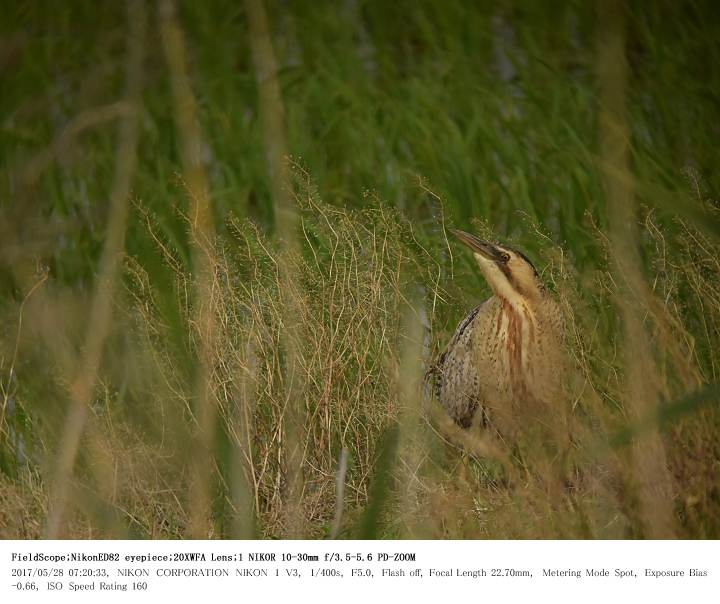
(224, 264)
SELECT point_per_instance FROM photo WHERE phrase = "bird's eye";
(505, 257)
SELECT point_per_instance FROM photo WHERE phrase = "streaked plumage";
(504, 360)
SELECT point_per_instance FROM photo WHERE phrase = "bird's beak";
(484, 248)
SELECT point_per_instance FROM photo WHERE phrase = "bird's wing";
(435, 368)
(456, 381)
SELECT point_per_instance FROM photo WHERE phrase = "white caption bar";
(353, 571)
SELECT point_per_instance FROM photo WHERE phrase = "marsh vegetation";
(219, 300)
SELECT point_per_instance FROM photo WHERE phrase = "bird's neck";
(518, 325)
(512, 301)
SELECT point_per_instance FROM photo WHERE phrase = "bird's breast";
(516, 333)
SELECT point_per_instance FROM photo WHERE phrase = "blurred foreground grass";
(402, 118)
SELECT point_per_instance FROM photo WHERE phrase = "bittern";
(504, 360)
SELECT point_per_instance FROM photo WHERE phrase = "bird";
(504, 362)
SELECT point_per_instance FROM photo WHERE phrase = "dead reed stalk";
(272, 115)
(85, 380)
(641, 397)
(202, 234)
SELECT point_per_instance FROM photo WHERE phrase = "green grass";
(405, 118)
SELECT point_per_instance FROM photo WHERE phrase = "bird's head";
(508, 271)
